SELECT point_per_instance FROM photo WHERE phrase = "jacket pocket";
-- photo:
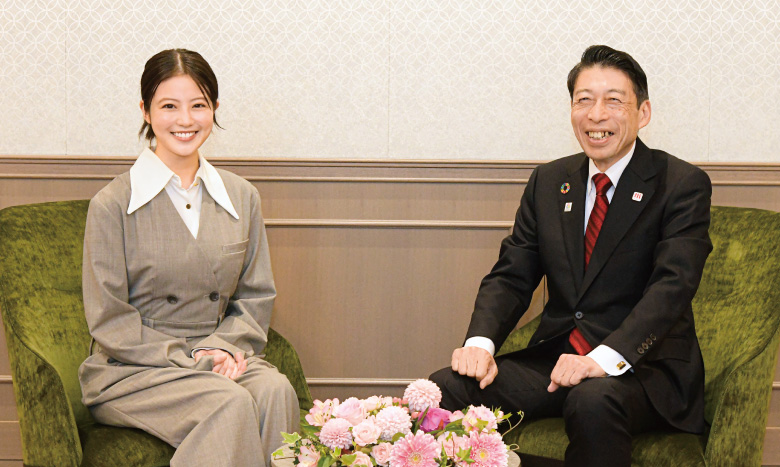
(232, 248)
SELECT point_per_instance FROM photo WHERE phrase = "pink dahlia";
(479, 414)
(393, 420)
(422, 394)
(487, 450)
(350, 410)
(419, 450)
(335, 434)
(321, 412)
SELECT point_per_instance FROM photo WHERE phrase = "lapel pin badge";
(565, 188)
(567, 207)
(637, 196)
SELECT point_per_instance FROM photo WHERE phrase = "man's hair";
(607, 57)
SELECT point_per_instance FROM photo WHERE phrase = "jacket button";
(649, 341)
(578, 315)
(172, 299)
(645, 346)
(652, 336)
(214, 296)
(640, 350)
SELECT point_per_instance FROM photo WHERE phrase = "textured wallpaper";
(397, 79)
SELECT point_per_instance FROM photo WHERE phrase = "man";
(620, 232)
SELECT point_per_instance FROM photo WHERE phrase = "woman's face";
(181, 119)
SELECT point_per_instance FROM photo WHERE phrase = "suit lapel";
(623, 210)
(573, 219)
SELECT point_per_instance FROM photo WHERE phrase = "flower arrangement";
(391, 432)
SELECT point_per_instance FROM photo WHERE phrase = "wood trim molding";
(358, 382)
(60, 167)
(390, 224)
(6, 379)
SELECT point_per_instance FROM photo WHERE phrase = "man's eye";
(583, 100)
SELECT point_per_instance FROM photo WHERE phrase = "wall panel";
(375, 258)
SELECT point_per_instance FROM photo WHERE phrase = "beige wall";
(369, 79)
(375, 258)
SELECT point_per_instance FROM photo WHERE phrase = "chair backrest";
(737, 306)
(40, 288)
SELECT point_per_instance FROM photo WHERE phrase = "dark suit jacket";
(644, 271)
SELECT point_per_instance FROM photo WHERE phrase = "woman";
(178, 288)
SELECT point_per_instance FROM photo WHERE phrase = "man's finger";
(482, 368)
(456, 360)
(552, 387)
(492, 372)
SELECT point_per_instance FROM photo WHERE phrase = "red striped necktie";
(595, 221)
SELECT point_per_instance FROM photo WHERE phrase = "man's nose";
(598, 112)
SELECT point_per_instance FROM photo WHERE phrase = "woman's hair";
(176, 62)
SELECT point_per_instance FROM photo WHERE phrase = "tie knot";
(602, 183)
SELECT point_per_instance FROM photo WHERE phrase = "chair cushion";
(107, 445)
(547, 438)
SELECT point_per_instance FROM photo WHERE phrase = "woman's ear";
(147, 119)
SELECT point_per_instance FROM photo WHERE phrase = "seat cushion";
(107, 446)
(547, 438)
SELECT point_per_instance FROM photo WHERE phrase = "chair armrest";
(283, 356)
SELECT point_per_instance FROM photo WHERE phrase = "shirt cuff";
(609, 360)
(482, 343)
(192, 353)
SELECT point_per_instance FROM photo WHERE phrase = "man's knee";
(592, 400)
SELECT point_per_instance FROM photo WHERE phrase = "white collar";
(613, 172)
(149, 175)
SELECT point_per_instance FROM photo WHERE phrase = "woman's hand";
(224, 363)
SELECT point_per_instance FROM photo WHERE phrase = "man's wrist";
(482, 343)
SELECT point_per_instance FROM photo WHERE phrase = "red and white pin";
(637, 196)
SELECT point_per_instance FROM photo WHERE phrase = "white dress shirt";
(149, 175)
(606, 357)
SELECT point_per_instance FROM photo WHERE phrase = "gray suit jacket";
(152, 292)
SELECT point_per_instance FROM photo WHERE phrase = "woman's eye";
(199, 106)
(168, 106)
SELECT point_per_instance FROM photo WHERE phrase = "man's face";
(605, 116)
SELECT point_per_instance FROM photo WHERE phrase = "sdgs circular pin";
(565, 188)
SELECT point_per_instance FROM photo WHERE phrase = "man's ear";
(147, 119)
(645, 112)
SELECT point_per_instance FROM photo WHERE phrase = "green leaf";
(278, 453)
(348, 459)
(326, 461)
(464, 454)
(291, 438)
(397, 436)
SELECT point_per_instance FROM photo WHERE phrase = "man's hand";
(224, 363)
(475, 362)
(572, 369)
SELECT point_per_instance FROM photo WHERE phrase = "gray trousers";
(210, 419)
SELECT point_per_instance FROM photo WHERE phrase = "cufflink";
(621, 365)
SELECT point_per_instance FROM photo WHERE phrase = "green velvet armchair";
(738, 325)
(47, 336)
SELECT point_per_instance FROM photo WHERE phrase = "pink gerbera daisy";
(487, 450)
(419, 450)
